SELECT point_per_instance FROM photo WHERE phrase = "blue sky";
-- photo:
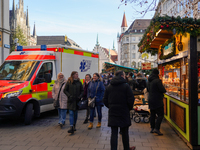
(80, 20)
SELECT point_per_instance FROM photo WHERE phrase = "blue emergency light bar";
(43, 48)
(19, 48)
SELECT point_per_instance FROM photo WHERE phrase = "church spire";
(124, 24)
(113, 45)
(97, 44)
(27, 18)
(34, 31)
(13, 9)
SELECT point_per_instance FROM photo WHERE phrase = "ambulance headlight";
(12, 94)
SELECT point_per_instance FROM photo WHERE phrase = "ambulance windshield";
(16, 70)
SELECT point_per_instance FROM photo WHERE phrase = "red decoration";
(167, 26)
(161, 26)
(147, 40)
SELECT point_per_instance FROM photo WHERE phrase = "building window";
(141, 30)
(133, 47)
(198, 6)
(135, 30)
(140, 38)
(133, 38)
(125, 64)
(127, 39)
(133, 56)
(126, 56)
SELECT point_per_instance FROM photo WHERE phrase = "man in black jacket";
(119, 99)
(156, 93)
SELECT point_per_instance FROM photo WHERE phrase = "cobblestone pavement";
(45, 134)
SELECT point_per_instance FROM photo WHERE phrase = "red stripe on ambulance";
(32, 57)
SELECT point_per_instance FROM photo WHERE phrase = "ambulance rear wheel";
(137, 119)
(28, 114)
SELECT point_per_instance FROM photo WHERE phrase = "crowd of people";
(116, 92)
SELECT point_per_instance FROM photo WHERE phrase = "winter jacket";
(119, 99)
(74, 91)
(156, 92)
(132, 83)
(85, 88)
(142, 83)
(62, 98)
(99, 94)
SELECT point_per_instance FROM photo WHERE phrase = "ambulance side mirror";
(47, 77)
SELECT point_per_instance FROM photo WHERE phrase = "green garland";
(173, 39)
(181, 26)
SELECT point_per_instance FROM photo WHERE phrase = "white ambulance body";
(28, 74)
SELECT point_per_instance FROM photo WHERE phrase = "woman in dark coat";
(96, 89)
(119, 99)
(156, 93)
(85, 88)
(74, 90)
(141, 81)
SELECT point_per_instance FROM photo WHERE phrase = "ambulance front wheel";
(28, 114)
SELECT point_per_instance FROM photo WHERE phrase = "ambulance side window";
(46, 68)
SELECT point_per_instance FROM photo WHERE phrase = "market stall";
(177, 43)
(110, 67)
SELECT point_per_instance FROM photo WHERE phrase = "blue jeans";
(99, 112)
(73, 117)
(62, 115)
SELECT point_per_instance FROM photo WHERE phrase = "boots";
(74, 127)
(71, 130)
(90, 126)
(98, 125)
(86, 121)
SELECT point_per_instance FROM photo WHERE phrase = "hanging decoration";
(177, 25)
(172, 40)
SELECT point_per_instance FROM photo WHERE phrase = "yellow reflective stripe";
(87, 54)
(81, 81)
(49, 88)
(68, 51)
(26, 89)
(42, 95)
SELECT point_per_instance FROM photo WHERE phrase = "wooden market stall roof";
(162, 37)
(110, 66)
(163, 28)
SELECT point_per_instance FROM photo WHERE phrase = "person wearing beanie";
(155, 100)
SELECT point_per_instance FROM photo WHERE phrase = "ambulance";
(27, 77)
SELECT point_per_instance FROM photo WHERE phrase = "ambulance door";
(44, 89)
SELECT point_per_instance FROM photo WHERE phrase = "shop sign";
(178, 56)
(183, 70)
(146, 66)
(168, 49)
(6, 46)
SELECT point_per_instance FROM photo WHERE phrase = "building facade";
(129, 56)
(4, 30)
(20, 18)
(105, 55)
(182, 8)
(50, 40)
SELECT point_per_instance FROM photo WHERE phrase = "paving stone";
(6, 147)
(45, 134)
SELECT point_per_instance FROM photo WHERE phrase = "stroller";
(140, 110)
